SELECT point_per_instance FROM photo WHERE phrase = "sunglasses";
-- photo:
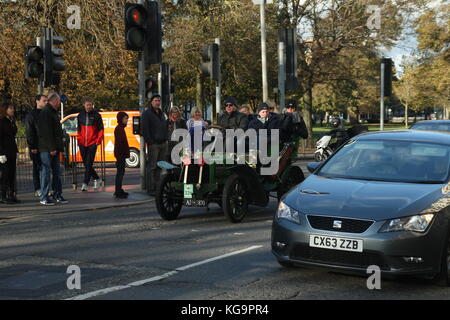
(229, 105)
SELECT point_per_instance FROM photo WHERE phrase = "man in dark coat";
(50, 136)
(231, 118)
(31, 122)
(266, 120)
(8, 154)
(154, 129)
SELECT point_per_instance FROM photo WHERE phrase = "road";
(199, 256)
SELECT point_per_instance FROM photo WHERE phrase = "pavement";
(78, 201)
(93, 199)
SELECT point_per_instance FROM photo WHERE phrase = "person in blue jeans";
(51, 144)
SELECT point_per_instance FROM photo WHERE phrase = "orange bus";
(109, 118)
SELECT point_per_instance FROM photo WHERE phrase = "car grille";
(348, 225)
(337, 257)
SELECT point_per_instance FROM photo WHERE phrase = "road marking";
(158, 278)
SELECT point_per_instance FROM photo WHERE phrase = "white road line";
(157, 278)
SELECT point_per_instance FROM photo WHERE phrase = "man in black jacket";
(50, 136)
(31, 122)
(154, 129)
(231, 118)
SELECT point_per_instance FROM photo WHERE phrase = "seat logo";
(337, 224)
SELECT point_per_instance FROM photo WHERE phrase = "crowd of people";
(45, 139)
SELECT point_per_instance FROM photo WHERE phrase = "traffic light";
(151, 87)
(210, 61)
(289, 38)
(53, 62)
(165, 86)
(34, 67)
(386, 82)
(136, 24)
(153, 49)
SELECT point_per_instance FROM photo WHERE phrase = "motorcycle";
(323, 148)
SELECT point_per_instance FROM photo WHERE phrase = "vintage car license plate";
(336, 243)
(194, 203)
(188, 191)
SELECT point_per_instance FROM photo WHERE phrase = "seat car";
(382, 199)
(433, 125)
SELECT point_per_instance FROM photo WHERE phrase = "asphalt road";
(130, 253)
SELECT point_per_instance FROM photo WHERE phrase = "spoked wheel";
(293, 177)
(318, 157)
(443, 277)
(168, 200)
(234, 200)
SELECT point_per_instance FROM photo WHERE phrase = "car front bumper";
(390, 251)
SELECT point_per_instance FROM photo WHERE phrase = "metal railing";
(72, 167)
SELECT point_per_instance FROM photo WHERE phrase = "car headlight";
(417, 223)
(285, 212)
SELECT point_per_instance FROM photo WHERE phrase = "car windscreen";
(432, 126)
(388, 160)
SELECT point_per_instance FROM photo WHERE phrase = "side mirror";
(137, 125)
(312, 166)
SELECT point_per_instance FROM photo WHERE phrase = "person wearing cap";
(266, 120)
(231, 118)
(121, 152)
(154, 129)
(295, 124)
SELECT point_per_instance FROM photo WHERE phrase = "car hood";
(374, 200)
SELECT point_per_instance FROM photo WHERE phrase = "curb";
(68, 210)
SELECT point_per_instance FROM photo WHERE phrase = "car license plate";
(336, 243)
(194, 203)
(188, 191)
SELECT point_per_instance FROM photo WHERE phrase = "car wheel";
(234, 199)
(318, 157)
(285, 264)
(168, 200)
(443, 277)
(133, 160)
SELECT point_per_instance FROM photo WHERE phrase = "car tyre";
(234, 199)
(168, 200)
(443, 277)
(286, 264)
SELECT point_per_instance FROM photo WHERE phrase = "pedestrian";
(8, 154)
(174, 122)
(154, 129)
(196, 126)
(231, 118)
(296, 125)
(50, 144)
(121, 152)
(31, 122)
(90, 135)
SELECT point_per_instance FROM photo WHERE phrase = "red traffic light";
(136, 14)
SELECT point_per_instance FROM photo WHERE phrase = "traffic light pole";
(281, 73)
(263, 50)
(218, 88)
(141, 77)
(382, 98)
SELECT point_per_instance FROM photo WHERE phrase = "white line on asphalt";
(158, 278)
